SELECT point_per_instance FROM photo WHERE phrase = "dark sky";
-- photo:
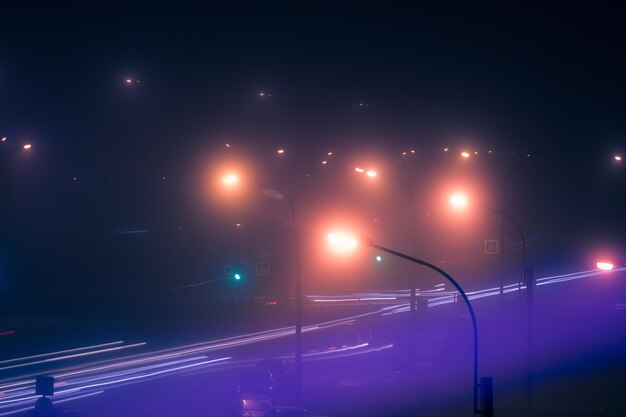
(514, 79)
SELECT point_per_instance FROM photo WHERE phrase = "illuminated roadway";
(88, 371)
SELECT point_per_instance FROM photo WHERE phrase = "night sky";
(361, 81)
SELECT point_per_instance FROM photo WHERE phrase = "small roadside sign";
(492, 246)
(263, 269)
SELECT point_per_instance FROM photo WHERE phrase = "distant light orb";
(465, 154)
(329, 154)
(4, 139)
(128, 81)
(446, 149)
(618, 157)
(237, 277)
(28, 146)
(324, 162)
(412, 150)
(359, 170)
(379, 258)
(280, 151)
(371, 173)
(227, 145)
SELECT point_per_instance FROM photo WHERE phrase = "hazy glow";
(465, 154)
(458, 200)
(342, 240)
(379, 258)
(324, 162)
(230, 179)
(4, 139)
(28, 146)
(618, 157)
(371, 173)
(280, 151)
(445, 149)
(329, 154)
(359, 170)
(605, 266)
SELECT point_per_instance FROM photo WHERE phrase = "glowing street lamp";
(369, 172)
(348, 242)
(458, 200)
(605, 265)
(618, 158)
(27, 146)
(230, 179)
(465, 154)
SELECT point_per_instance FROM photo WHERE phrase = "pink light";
(605, 266)
(280, 151)
(371, 173)
(465, 154)
(359, 170)
(4, 139)
(618, 157)
(230, 179)
(28, 146)
(342, 240)
(458, 200)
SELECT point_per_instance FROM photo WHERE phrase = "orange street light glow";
(28, 146)
(230, 179)
(359, 170)
(371, 173)
(458, 200)
(342, 240)
(605, 266)
(465, 154)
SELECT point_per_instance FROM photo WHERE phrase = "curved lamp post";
(234, 179)
(349, 242)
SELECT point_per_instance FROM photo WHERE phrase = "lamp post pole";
(476, 383)
(529, 280)
(297, 284)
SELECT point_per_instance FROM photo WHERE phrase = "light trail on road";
(73, 382)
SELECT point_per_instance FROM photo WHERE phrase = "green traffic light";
(237, 277)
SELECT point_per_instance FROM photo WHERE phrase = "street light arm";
(463, 295)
